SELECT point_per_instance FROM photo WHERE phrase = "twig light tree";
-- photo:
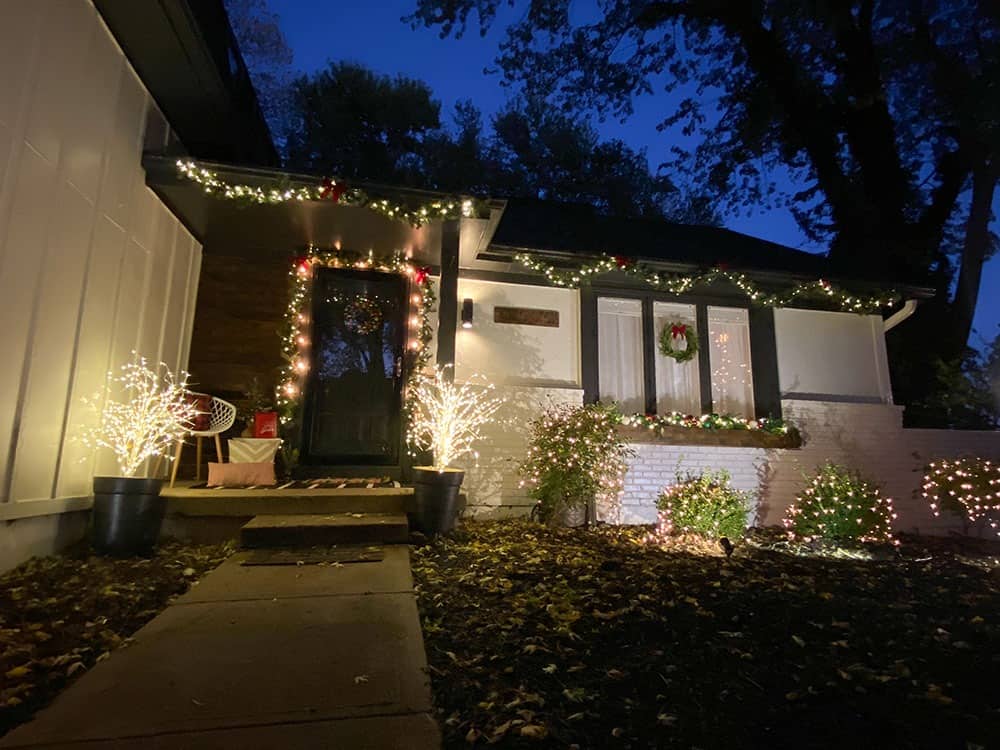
(447, 418)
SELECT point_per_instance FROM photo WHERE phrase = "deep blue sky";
(372, 33)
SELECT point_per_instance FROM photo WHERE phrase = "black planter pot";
(435, 499)
(127, 515)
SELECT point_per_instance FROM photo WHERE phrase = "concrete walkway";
(261, 657)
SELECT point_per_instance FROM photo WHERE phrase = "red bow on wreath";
(678, 331)
(421, 275)
(622, 262)
(332, 190)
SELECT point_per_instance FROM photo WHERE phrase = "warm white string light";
(153, 413)
(446, 418)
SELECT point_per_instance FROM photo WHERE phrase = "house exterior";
(162, 244)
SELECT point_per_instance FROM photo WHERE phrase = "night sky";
(372, 33)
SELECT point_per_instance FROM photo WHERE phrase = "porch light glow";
(467, 313)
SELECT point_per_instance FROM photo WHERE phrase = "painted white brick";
(869, 437)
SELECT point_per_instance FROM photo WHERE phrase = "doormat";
(323, 483)
(335, 555)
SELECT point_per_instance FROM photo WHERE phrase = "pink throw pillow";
(233, 475)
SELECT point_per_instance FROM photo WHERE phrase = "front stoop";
(318, 530)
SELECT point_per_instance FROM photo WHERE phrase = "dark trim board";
(448, 296)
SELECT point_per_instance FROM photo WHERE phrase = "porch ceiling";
(232, 228)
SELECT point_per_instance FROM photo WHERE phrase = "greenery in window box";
(704, 504)
(839, 505)
(575, 457)
(713, 421)
(966, 487)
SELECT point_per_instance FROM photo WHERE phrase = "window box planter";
(701, 436)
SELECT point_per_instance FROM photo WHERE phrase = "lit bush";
(704, 504)
(575, 456)
(966, 487)
(839, 504)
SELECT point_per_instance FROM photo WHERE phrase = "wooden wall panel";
(241, 308)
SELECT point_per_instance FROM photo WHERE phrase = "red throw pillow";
(203, 419)
(240, 475)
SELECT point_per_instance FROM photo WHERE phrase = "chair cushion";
(203, 419)
(240, 475)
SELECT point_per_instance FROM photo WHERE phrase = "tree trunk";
(974, 251)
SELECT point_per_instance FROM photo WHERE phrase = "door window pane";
(729, 354)
(619, 340)
(678, 387)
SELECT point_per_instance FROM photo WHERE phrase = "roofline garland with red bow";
(296, 343)
(679, 283)
(330, 190)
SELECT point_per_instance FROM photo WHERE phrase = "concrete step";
(183, 501)
(314, 530)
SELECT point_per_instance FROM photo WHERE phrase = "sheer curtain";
(619, 342)
(729, 354)
(678, 387)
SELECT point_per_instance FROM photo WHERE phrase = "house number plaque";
(526, 316)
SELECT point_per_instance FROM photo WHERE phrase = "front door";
(354, 391)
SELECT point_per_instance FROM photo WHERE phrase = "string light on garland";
(329, 190)
(967, 487)
(295, 348)
(656, 423)
(678, 283)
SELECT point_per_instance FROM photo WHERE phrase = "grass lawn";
(61, 615)
(554, 637)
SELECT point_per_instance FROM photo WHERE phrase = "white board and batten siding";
(92, 264)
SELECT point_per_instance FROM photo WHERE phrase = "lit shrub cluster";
(966, 487)
(575, 456)
(840, 505)
(704, 504)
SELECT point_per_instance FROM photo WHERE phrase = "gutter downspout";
(909, 307)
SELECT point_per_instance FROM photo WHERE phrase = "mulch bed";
(61, 615)
(542, 637)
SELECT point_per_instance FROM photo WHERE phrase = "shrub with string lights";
(152, 414)
(575, 456)
(839, 505)
(446, 418)
(966, 487)
(705, 504)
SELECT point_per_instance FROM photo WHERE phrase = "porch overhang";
(247, 230)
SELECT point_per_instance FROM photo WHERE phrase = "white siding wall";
(833, 355)
(92, 265)
(519, 354)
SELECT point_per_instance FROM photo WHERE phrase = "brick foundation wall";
(869, 437)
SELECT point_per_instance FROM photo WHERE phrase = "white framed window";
(620, 345)
(678, 384)
(729, 355)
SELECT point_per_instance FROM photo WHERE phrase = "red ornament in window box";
(265, 424)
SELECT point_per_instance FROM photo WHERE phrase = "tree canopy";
(883, 116)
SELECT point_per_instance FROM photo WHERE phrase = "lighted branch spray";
(446, 419)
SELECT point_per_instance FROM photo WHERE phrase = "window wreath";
(679, 341)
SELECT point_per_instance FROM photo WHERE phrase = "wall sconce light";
(467, 312)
